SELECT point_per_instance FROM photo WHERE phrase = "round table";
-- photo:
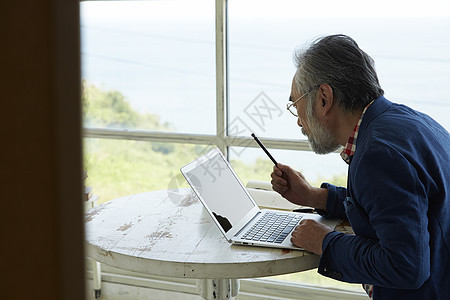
(168, 233)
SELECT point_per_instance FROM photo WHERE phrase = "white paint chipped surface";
(168, 233)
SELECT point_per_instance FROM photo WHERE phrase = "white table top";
(168, 233)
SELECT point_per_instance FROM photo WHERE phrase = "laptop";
(234, 211)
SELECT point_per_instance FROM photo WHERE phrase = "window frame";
(221, 139)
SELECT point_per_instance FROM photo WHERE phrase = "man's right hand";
(293, 186)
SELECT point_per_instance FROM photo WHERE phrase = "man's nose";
(299, 122)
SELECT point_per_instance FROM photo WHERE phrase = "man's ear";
(326, 98)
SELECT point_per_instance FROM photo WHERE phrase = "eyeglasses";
(291, 106)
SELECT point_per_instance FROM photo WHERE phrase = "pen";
(305, 210)
(265, 150)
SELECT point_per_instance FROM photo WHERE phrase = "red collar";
(350, 147)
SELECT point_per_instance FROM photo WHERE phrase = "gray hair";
(338, 61)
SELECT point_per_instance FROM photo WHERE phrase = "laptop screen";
(220, 189)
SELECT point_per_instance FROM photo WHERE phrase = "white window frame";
(223, 141)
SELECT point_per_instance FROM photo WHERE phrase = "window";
(412, 58)
(157, 92)
(159, 55)
(148, 71)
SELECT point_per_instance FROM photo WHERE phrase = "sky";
(266, 8)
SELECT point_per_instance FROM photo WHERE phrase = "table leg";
(97, 274)
(211, 289)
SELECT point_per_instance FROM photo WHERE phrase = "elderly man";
(397, 197)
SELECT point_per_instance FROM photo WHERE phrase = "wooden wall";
(40, 157)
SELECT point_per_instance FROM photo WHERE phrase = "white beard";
(320, 138)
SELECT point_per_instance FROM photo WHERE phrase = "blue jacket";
(398, 203)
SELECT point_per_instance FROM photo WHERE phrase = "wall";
(40, 169)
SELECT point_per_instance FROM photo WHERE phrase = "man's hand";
(293, 186)
(309, 235)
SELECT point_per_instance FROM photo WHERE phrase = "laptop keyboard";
(272, 227)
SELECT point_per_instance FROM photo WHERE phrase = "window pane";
(117, 168)
(412, 57)
(253, 164)
(159, 55)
